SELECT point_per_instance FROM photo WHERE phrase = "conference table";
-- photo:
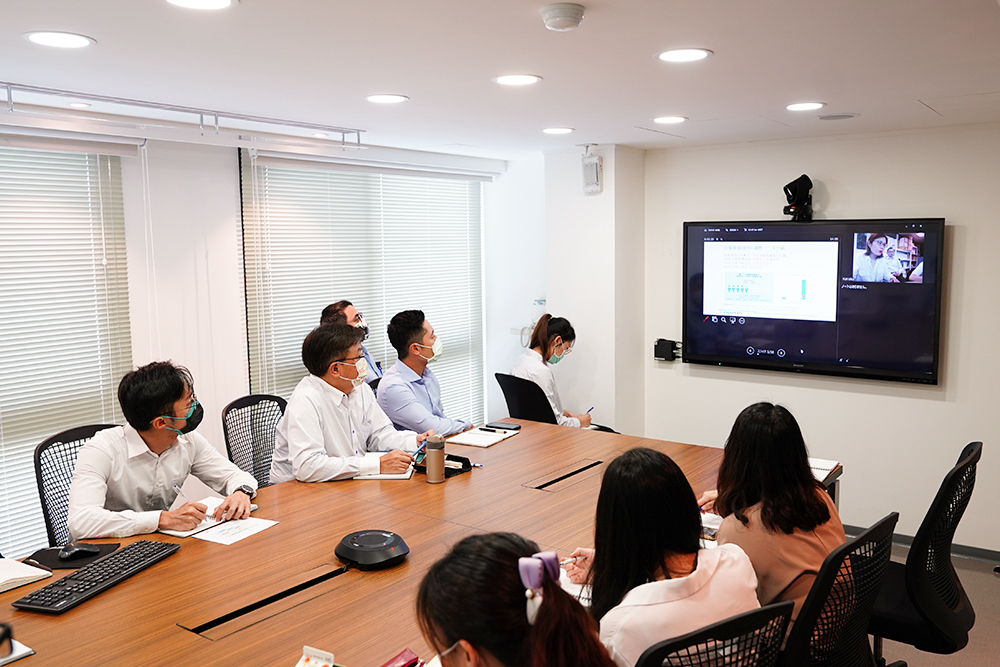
(542, 483)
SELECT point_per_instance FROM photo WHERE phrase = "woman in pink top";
(774, 508)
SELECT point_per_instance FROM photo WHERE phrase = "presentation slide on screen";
(783, 280)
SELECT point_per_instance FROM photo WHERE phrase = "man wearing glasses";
(125, 477)
(343, 312)
(332, 427)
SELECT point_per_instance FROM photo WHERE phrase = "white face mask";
(436, 350)
(437, 658)
(362, 325)
(362, 368)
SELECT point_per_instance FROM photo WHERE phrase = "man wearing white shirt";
(123, 482)
(409, 393)
(332, 427)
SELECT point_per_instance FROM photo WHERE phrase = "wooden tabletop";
(363, 617)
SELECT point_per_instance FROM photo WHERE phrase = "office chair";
(248, 425)
(923, 603)
(832, 627)
(525, 399)
(750, 639)
(55, 459)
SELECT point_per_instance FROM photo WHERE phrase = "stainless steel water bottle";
(434, 460)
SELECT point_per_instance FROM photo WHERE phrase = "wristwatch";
(246, 489)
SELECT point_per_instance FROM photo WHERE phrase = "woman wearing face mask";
(495, 601)
(551, 341)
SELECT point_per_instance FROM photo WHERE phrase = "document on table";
(232, 532)
(479, 437)
(206, 523)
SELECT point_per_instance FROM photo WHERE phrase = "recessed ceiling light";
(387, 99)
(838, 116)
(668, 120)
(684, 55)
(204, 4)
(62, 40)
(79, 105)
(320, 135)
(517, 79)
(805, 106)
(557, 130)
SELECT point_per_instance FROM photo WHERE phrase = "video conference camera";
(799, 199)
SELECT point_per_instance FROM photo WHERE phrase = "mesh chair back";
(750, 639)
(55, 459)
(249, 424)
(931, 580)
(525, 399)
(832, 627)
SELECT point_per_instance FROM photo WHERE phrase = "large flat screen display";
(859, 298)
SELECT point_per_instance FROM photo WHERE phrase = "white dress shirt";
(530, 366)
(326, 434)
(866, 272)
(723, 584)
(120, 487)
(413, 401)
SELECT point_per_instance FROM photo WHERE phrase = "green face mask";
(556, 358)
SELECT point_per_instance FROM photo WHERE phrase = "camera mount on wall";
(799, 199)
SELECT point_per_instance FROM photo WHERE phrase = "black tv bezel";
(838, 370)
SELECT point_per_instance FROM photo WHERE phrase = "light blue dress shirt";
(413, 402)
(374, 372)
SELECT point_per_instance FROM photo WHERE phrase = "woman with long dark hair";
(494, 600)
(773, 506)
(649, 578)
(551, 341)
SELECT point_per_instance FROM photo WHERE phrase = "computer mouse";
(75, 550)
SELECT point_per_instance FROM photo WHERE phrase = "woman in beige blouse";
(773, 507)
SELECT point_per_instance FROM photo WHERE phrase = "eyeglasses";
(349, 360)
(194, 404)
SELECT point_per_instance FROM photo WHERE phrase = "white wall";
(580, 279)
(895, 440)
(186, 270)
(514, 268)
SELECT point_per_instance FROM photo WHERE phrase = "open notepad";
(478, 437)
(821, 468)
(387, 475)
(206, 523)
(15, 573)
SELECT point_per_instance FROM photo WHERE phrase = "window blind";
(64, 327)
(385, 242)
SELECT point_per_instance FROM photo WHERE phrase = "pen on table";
(569, 561)
(488, 430)
(477, 465)
(591, 408)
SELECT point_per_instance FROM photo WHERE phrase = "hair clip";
(532, 571)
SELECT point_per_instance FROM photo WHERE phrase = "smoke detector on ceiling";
(562, 16)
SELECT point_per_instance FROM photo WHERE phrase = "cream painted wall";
(896, 441)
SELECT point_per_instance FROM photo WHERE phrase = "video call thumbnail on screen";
(853, 293)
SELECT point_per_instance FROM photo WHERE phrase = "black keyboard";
(96, 577)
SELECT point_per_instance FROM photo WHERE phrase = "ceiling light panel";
(387, 99)
(684, 55)
(204, 4)
(61, 40)
(517, 79)
(805, 106)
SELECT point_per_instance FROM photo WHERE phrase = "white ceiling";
(899, 64)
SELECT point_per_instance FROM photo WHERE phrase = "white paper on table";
(209, 521)
(232, 532)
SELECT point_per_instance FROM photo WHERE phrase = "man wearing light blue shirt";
(409, 393)
(344, 312)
